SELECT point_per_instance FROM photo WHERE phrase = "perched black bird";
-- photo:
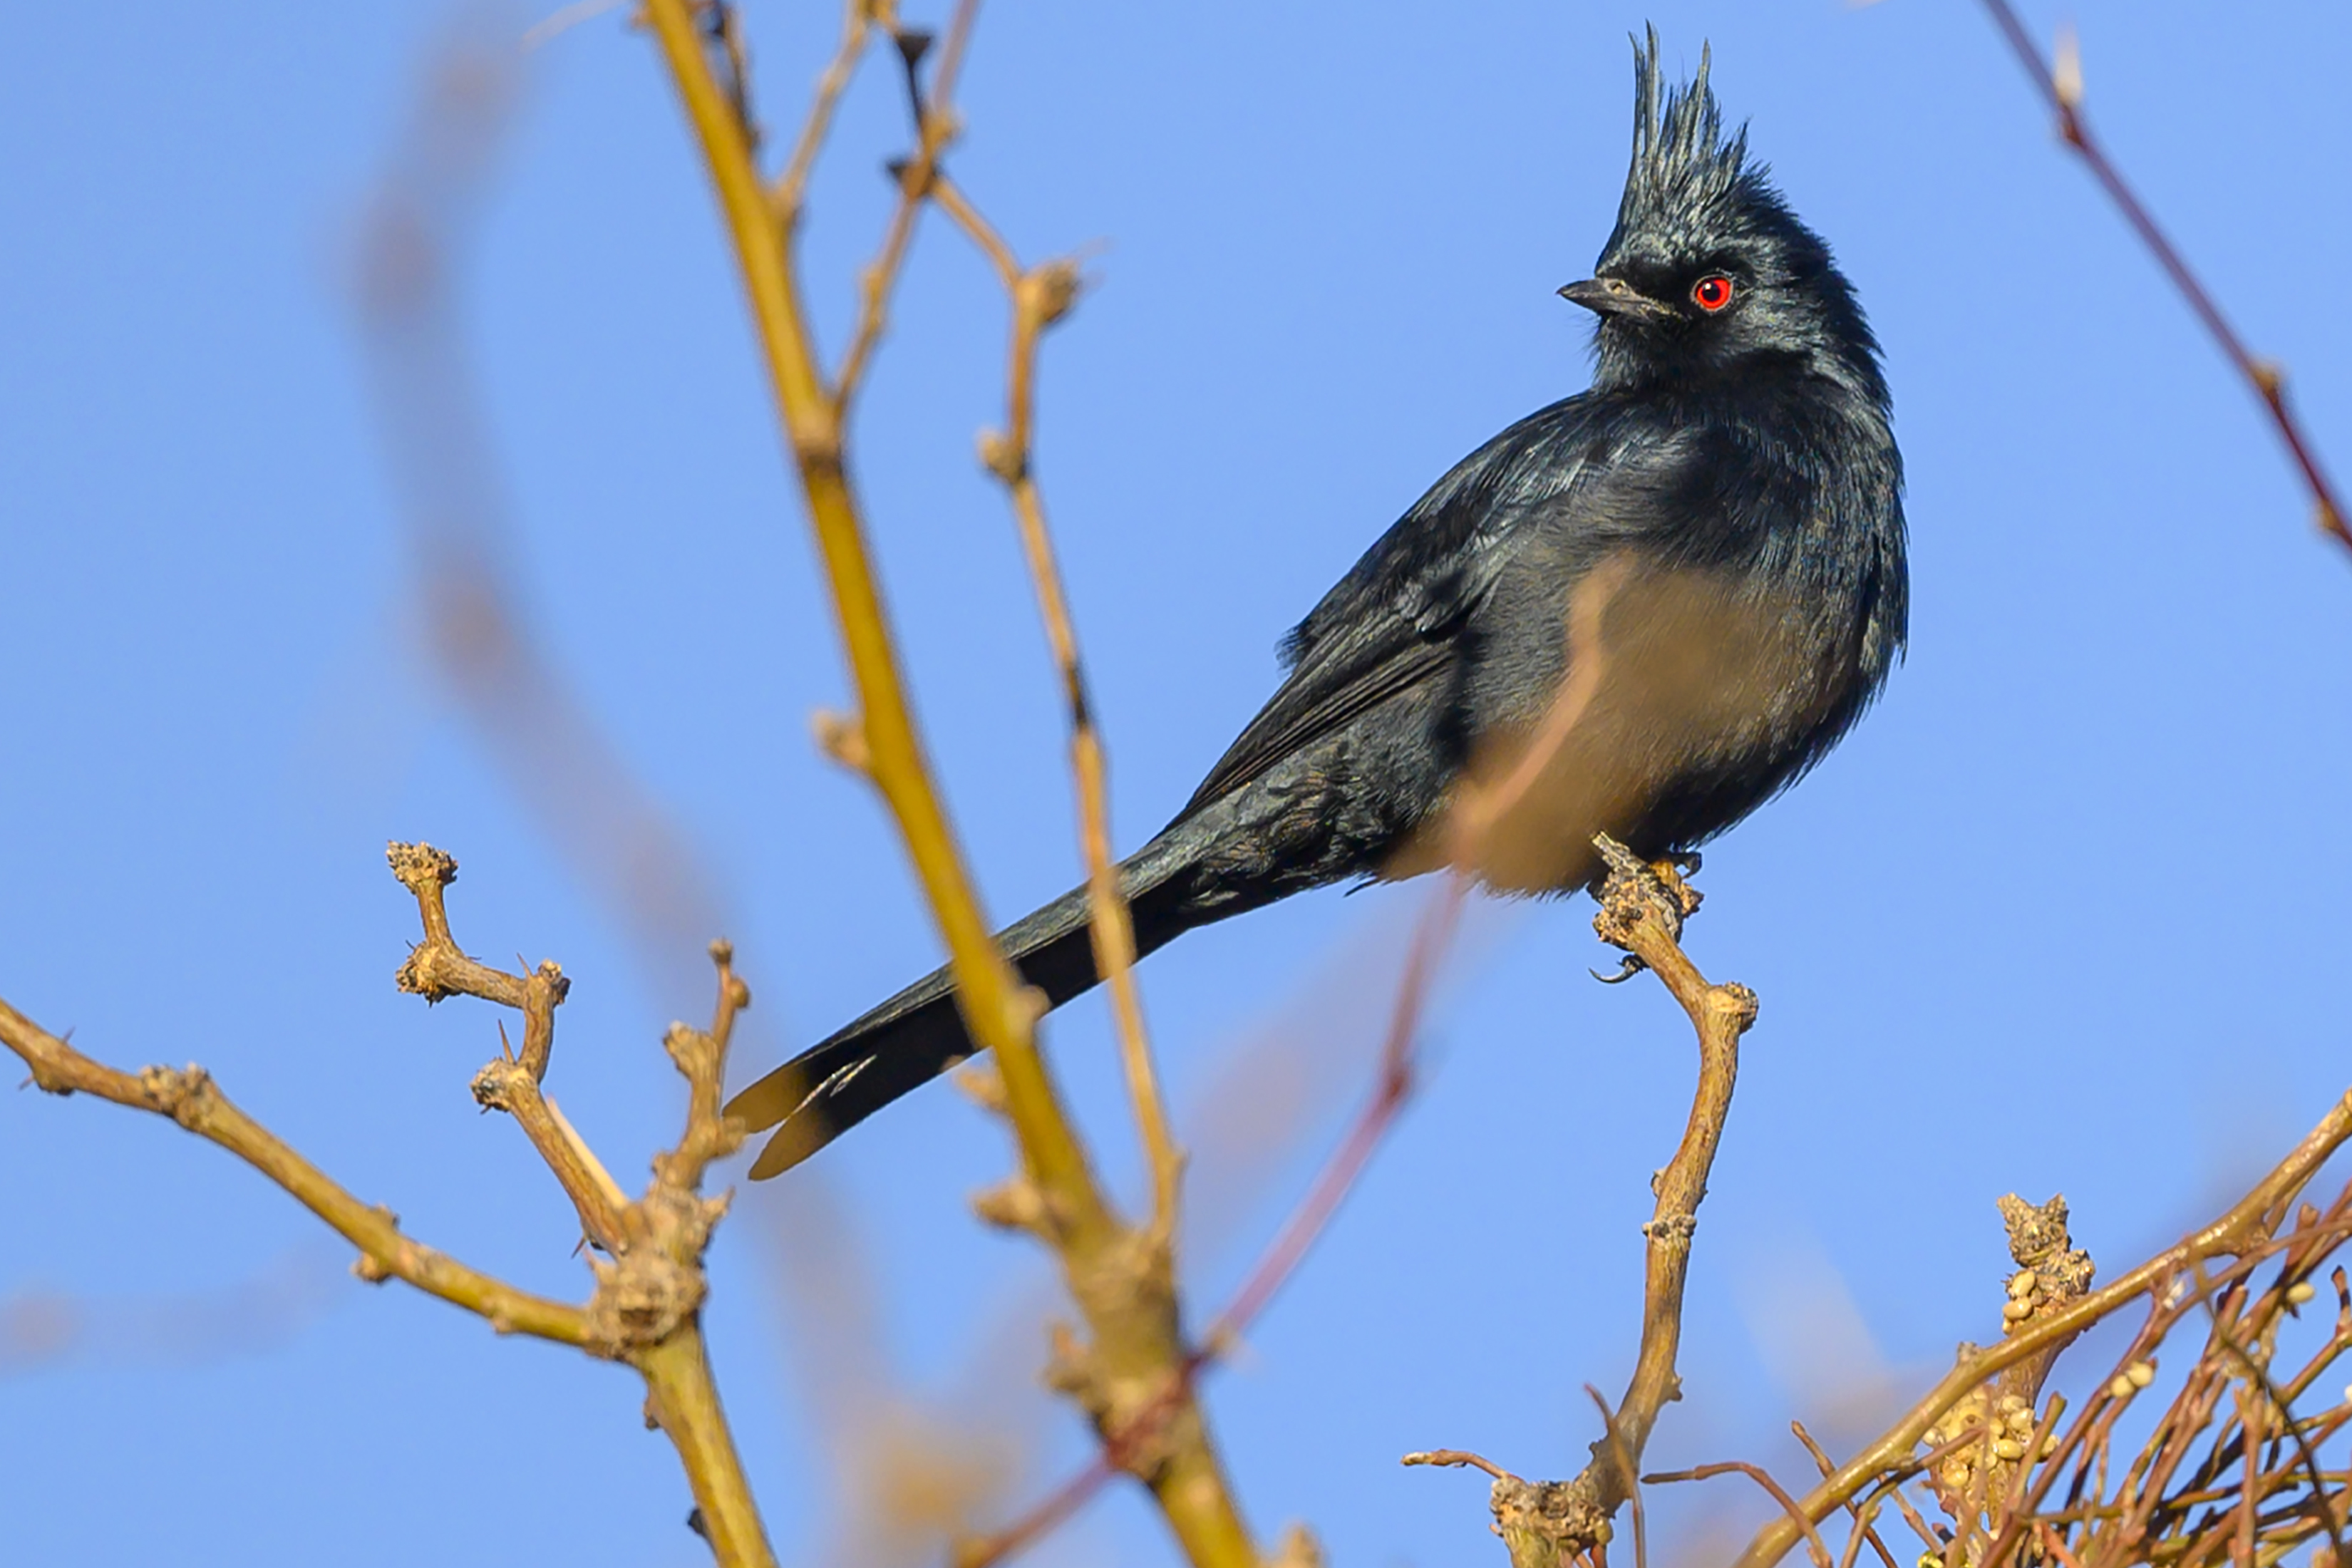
(1715, 527)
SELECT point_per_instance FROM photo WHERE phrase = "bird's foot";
(1627, 967)
(1672, 875)
(1633, 889)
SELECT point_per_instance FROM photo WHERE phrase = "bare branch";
(1123, 1285)
(1040, 297)
(1643, 909)
(857, 21)
(2061, 84)
(935, 127)
(189, 1097)
(436, 968)
(2245, 1228)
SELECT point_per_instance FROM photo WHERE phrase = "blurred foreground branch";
(1121, 1276)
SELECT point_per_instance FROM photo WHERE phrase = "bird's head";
(1707, 270)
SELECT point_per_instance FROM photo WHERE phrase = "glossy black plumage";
(1730, 478)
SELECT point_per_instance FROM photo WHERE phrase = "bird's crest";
(1682, 164)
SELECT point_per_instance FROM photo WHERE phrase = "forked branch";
(649, 1279)
(1545, 1524)
(189, 1097)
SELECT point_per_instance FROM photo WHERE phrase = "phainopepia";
(1715, 528)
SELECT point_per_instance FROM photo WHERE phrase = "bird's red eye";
(1712, 292)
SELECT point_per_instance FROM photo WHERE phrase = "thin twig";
(1124, 1287)
(935, 127)
(1040, 297)
(2233, 1231)
(2060, 83)
(1621, 1454)
(1862, 1528)
(1814, 1541)
(857, 21)
(189, 1097)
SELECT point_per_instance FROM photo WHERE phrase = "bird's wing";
(1393, 622)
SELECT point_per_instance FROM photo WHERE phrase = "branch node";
(1299, 1549)
(1013, 1203)
(1634, 889)
(183, 1094)
(2067, 71)
(1545, 1524)
(1671, 1230)
(1047, 291)
(1136, 1415)
(1001, 456)
(646, 1293)
(982, 1085)
(841, 737)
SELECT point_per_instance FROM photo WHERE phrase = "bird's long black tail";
(918, 1034)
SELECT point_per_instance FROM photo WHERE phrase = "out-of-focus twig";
(858, 19)
(258, 1314)
(2060, 81)
(459, 522)
(1040, 295)
(1814, 1546)
(935, 127)
(1123, 1287)
(1467, 829)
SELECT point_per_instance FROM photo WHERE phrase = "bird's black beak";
(1614, 297)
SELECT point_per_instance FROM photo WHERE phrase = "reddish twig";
(1337, 1178)
(1291, 1244)
(2060, 82)
(1779, 1494)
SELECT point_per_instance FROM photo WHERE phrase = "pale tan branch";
(859, 18)
(936, 127)
(659, 1279)
(189, 1097)
(1814, 1546)
(2247, 1223)
(978, 229)
(437, 968)
(994, 1003)
(1040, 295)
(1643, 909)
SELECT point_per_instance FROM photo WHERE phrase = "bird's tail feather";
(920, 1033)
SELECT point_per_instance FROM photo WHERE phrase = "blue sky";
(2060, 915)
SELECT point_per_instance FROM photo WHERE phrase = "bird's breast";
(1679, 699)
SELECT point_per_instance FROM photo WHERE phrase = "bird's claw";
(1627, 967)
(1671, 873)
